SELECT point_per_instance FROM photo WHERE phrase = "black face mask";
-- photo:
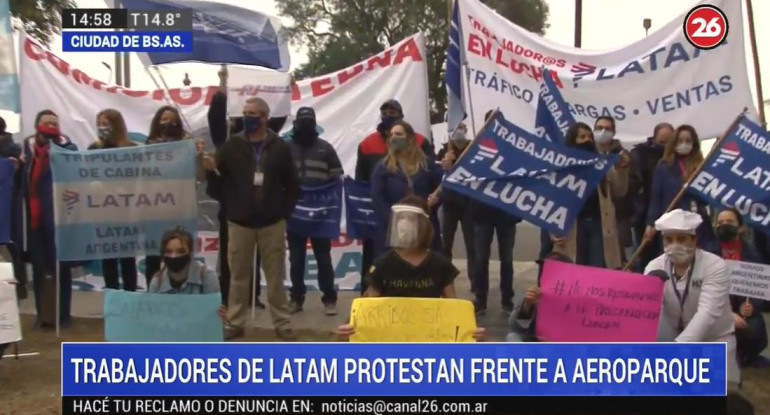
(304, 132)
(176, 264)
(727, 233)
(587, 146)
(171, 130)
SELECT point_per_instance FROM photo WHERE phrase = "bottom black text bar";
(392, 405)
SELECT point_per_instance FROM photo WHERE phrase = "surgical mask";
(398, 143)
(683, 149)
(178, 263)
(386, 123)
(105, 133)
(679, 254)
(727, 232)
(251, 124)
(406, 233)
(603, 136)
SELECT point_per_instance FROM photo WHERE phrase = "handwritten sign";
(749, 280)
(10, 325)
(585, 304)
(145, 317)
(412, 320)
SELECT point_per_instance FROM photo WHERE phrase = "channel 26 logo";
(705, 27)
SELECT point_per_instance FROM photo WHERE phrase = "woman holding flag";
(593, 241)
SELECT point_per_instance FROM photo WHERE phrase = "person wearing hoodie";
(38, 192)
(317, 165)
(455, 205)
(372, 149)
(10, 150)
(606, 143)
(644, 159)
(258, 179)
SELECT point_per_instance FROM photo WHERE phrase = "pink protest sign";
(586, 304)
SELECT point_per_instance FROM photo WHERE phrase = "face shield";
(409, 227)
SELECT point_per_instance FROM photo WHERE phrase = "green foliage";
(41, 18)
(339, 33)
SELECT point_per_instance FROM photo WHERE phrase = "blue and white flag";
(118, 202)
(553, 117)
(737, 175)
(7, 171)
(359, 210)
(318, 212)
(9, 81)
(454, 75)
(541, 182)
(223, 33)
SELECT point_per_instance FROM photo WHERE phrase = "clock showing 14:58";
(94, 18)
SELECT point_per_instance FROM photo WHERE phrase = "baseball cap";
(392, 103)
(305, 113)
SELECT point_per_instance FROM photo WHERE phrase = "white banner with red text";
(660, 78)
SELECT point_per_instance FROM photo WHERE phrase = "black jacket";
(249, 205)
(644, 160)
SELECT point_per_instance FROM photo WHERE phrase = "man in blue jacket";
(38, 193)
(12, 151)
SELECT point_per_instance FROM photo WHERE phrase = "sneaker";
(285, 334)
(233, 332)
(479, 308)
(259, 304)
(508, 308)
(330, 309)
(295, 307)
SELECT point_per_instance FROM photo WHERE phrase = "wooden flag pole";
(678, 197)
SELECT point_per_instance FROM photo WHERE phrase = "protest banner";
(533, 179)
(553, 117)
(318, 212)
(118, 202)
(586, 304)
(7, 171)
(9, 82)
(359, 210)
(10, 323)
(682, 83)
(347, 102)
(143, 317)
(749, 280)
(736, 175)
(412, 320)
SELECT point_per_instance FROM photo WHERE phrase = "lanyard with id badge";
(682, 297)
(259, 177)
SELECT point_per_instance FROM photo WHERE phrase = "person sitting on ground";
(522, 320)
(750, 329)
(410, 268)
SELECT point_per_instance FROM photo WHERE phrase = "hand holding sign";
(747, 309)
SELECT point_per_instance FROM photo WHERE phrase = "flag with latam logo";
(118, 202)
(539, 181)
(553, 117)
(737, 175)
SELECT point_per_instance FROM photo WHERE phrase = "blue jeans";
(322, 249)
(506, 238)
(590, 243)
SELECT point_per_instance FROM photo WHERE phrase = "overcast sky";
(607, 24)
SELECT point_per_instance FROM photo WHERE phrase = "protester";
(372, 149)
(221, 127)
(489, 221)
(410, 268)
(113, 134)
(522, 319)
(606, 143)
(405, 170)
(696, 303)
(318, 165)
(456, 206)
(750, 329)
(258, 180)
(593, 240)
(11, 151)
(644, 160)
(38, 192)
(166, 126)
(681, 158)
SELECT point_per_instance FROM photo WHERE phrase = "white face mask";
(406, 232)
(603, 136)
(683, 149)
(679, 254)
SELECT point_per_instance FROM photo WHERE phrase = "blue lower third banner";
(90, 41)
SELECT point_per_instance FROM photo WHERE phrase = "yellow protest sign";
(412, 320)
